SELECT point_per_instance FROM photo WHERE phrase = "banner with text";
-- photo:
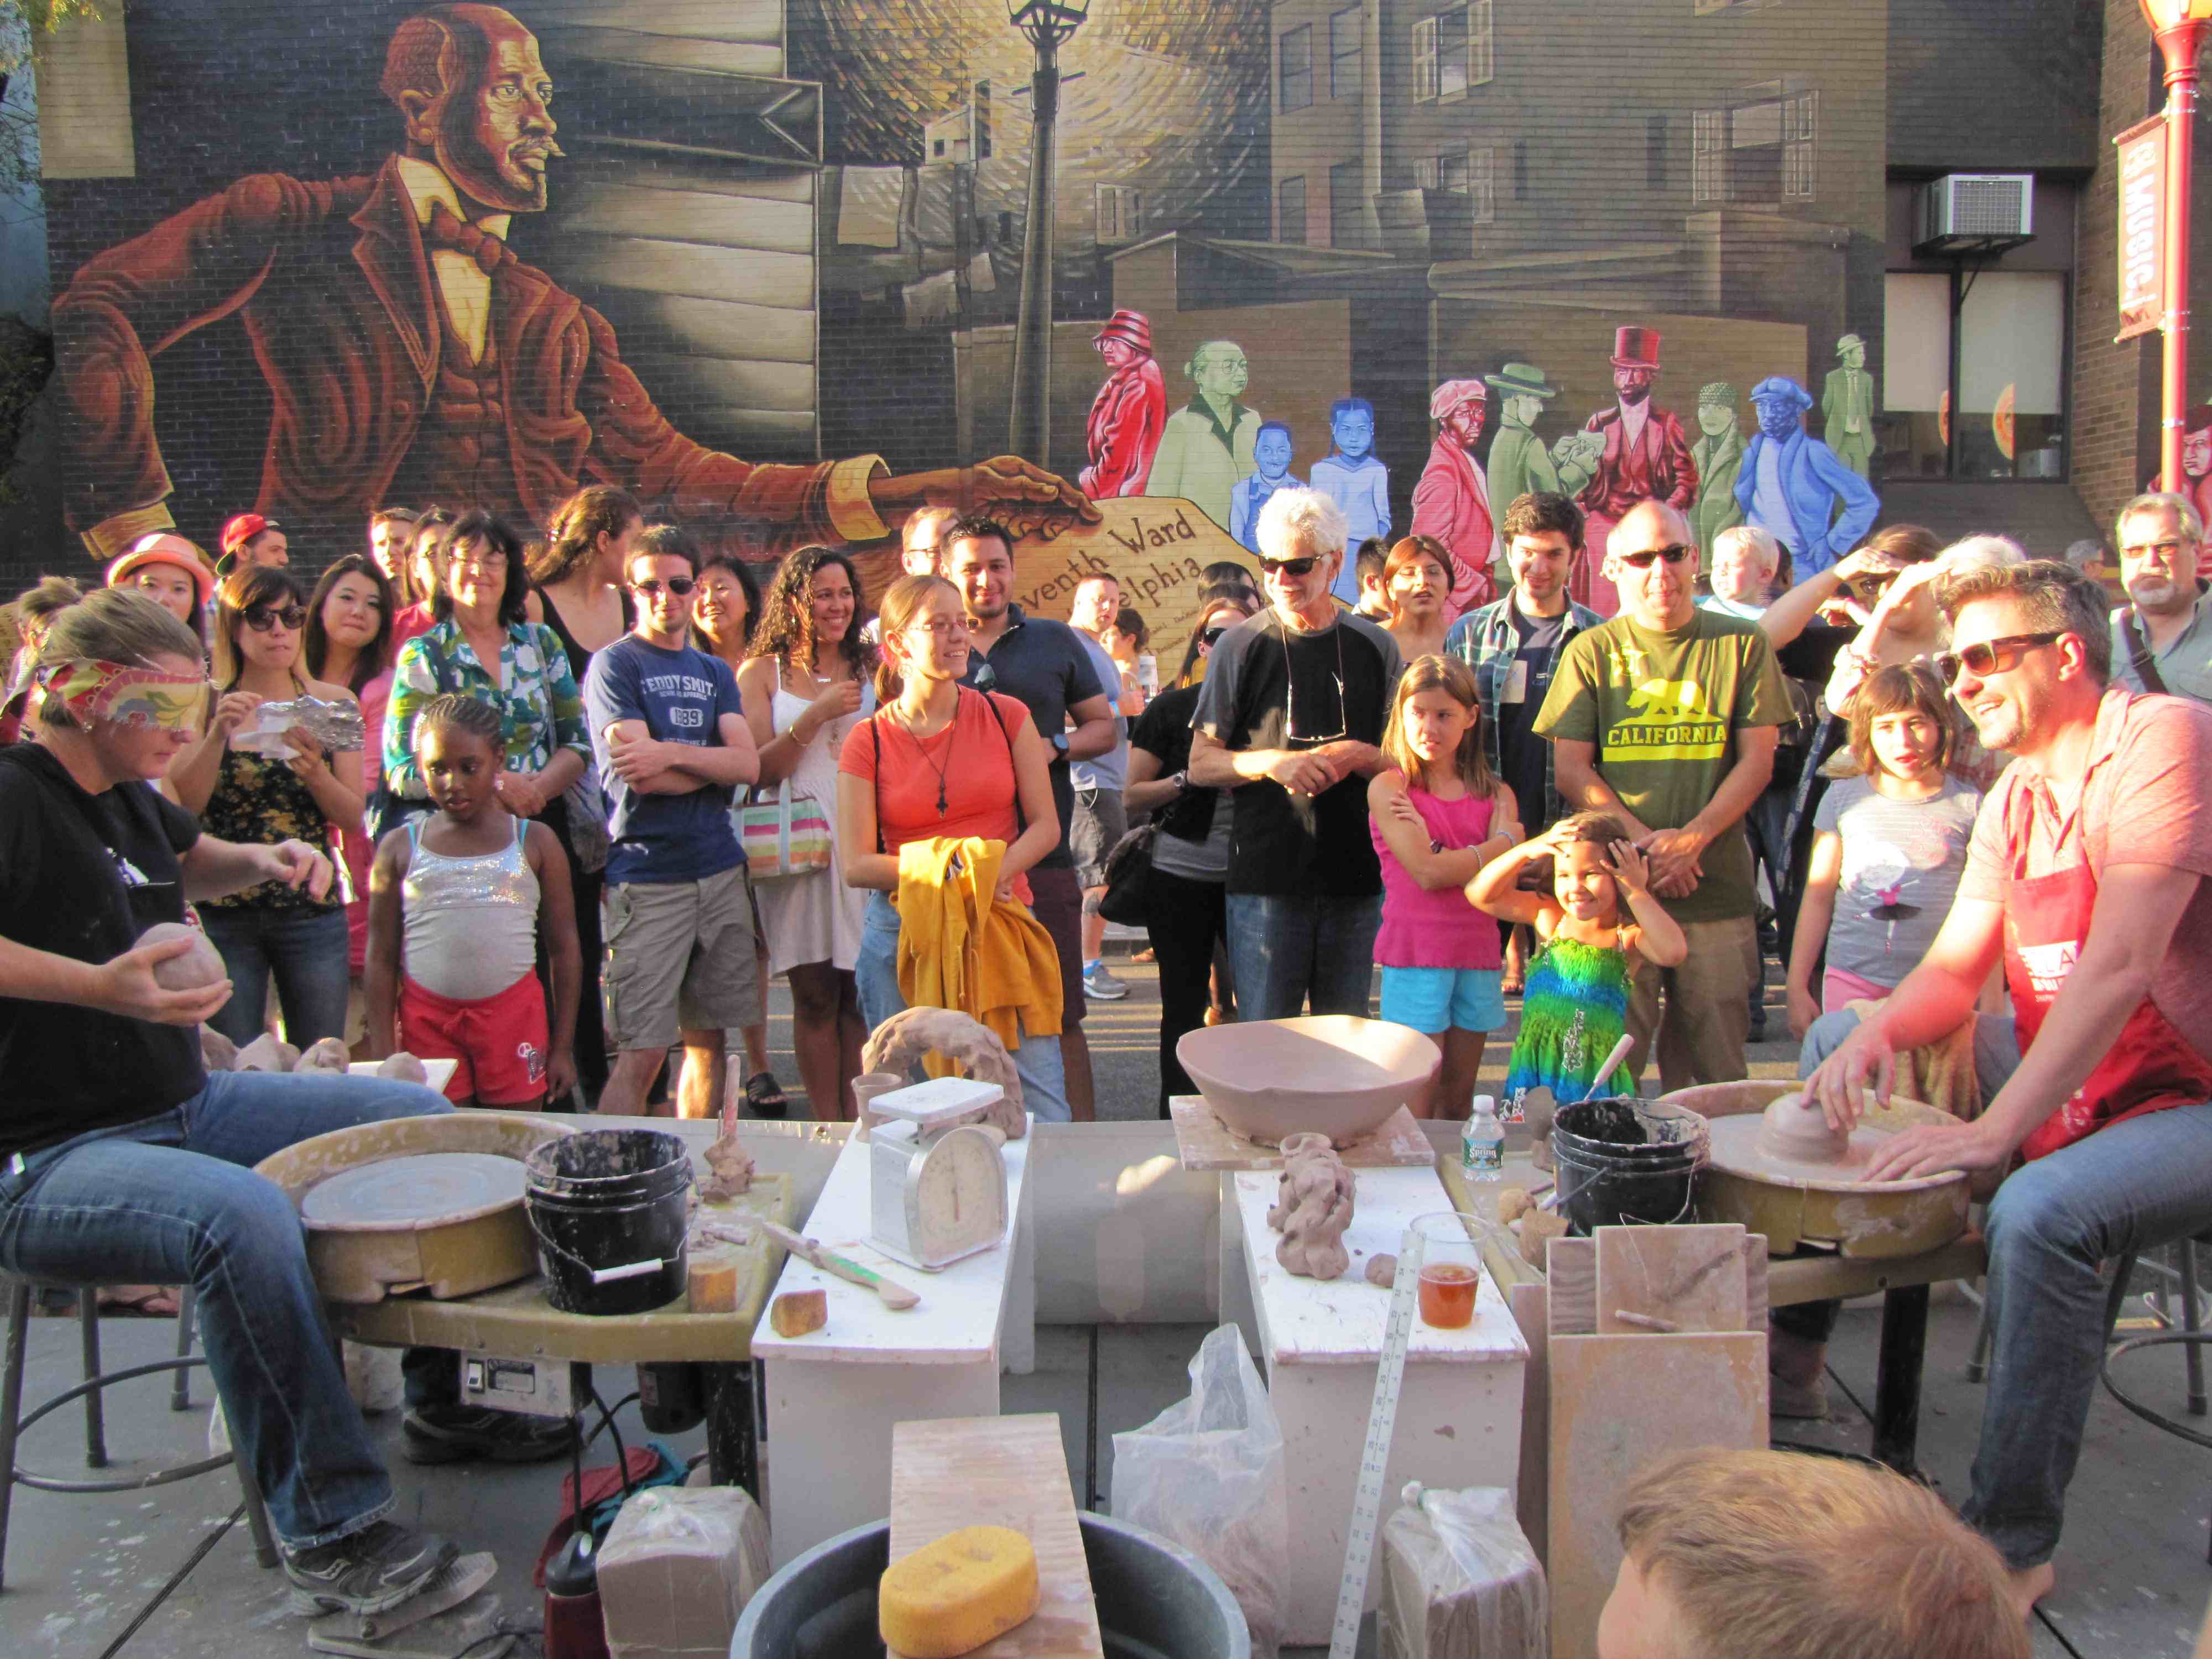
(2142, 228)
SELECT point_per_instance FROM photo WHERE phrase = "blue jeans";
(1284, 950)
(875, 976)
(306, 949)
(2131, 1186)
(174, 1200)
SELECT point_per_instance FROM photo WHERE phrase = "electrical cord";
(622, 1457)
(504, 1632)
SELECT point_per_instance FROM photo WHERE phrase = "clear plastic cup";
(1452, 1269)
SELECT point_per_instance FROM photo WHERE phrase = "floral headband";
(95, 691)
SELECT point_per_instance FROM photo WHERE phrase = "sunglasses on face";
(261, 618)
(2169, 550)
(1675, 555)
(1287, 566)
(1991, 656)
(1213, 633)
(681, 586)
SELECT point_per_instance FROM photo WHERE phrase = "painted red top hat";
(1127, 325)
(1636, 348)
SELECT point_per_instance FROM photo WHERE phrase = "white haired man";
(1290, 719)
(2162, 637)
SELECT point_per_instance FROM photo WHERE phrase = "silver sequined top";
(472, 923)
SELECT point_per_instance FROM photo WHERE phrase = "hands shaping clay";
(1795, 1128)
(731, 1164)
(901, 1042)
(1313, 1207)
(327, 1055)
(188, 970)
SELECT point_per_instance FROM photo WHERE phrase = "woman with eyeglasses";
(936, 759)
(416, 583)
(348, 643)
(252, 788)
(1190, 853)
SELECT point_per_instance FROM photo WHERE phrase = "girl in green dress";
(1575, 1007)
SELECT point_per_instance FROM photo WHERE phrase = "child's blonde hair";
(1471, 761)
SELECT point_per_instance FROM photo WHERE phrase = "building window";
(1654, 152)
(1452, 50)
(1801, 134)
(1344, 53)
(1346, 195)
(1521, 169)
(1761, 148)
(1119, 210)
(1481, 167)
(1298, 67)
(2006, 415)
(1470, 173)
(1290, 211)
(1708, 157)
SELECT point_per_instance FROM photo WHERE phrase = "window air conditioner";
(1984, 213)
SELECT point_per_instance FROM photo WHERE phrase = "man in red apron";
(2086, 879)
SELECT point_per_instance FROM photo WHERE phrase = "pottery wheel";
(1735, 1148)
(423, 1190)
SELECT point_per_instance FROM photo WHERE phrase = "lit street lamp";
(1047, 23)
(2179, 27)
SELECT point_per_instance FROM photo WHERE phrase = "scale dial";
(956, 1199)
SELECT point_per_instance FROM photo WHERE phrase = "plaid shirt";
(1486, 641)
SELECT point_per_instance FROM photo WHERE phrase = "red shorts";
(500, 1041)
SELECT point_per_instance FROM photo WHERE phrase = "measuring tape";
(1375, 1456)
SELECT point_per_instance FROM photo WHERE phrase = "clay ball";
(327, 1055)
(188, 970)
(217, 1052)
(403, 1068)
(1382, 1270)
(1795, 1128)
(267, 1053)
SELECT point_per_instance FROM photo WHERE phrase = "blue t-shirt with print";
(681, 695)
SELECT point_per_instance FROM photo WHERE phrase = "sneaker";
(453, 1434)
(368, 1571)
(1102, 987)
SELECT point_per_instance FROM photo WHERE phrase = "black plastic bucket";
(1617, 1164)
(608, 1207)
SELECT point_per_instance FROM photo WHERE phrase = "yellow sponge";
(951, 1597)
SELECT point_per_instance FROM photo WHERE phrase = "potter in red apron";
(2150, 1066)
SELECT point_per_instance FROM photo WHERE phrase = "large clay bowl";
(1327, 1075)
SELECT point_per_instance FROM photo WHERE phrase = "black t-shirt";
(1527, 757)
(83, 876)
(1044, 665)
(1337, 685)
(1164, 730)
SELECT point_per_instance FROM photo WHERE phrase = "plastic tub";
(1618, 1163)
(1155, 1601)
(607, 1208)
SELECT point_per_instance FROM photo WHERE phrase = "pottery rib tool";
(895, 1295)
(1614, 1060)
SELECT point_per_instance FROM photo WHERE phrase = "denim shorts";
(1433, 1000)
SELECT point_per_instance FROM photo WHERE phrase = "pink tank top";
(1436, 929)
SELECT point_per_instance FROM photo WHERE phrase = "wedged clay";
(1382, 1270)
(403, 1067)
(267, 1053)
(217, 1052)
(1795, 1128)
(730, 1165)
(188, 970)
(900, 1043)
(1313, 1207)
(327, 1055)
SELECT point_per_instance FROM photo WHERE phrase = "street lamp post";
(2179, 27)
(1047, 23)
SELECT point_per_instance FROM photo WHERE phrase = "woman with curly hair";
(805, 687)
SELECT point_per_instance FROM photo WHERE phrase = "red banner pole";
(2178, 47)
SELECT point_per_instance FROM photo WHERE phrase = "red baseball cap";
(243, 529)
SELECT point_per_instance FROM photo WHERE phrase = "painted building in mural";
(759, 261)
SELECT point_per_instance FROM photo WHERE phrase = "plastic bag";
(677, 1567)
(1459, 1580)
(1208, 1474)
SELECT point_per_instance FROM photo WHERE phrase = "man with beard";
(1793, 486)
(2085, 878)
(2162, 637)
(1646, 458)
(411, 356)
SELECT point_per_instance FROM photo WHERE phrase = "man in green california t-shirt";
(1666, 716)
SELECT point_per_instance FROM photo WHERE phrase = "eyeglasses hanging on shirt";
(1291, 733)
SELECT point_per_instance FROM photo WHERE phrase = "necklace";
(952, 726)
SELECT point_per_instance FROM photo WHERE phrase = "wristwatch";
(1059, 744)
(1181, 782)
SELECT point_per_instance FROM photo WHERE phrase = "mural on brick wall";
(759, 261)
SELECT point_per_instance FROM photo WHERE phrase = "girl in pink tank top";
(1438, 818)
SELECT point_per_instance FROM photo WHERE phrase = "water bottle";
(1482, 1144)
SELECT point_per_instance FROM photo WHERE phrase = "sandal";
(765, 1096)
(149, 1301)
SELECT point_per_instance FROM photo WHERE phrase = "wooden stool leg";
(11, 1403)
(95, 1413)
(180, 1388)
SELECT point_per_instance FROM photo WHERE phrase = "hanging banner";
(2142, 228)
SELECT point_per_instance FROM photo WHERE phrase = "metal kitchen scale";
(937, 1179)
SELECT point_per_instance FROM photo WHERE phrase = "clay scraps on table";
(1313, 1207)
(730, 1165)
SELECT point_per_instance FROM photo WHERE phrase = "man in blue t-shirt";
(672, 748)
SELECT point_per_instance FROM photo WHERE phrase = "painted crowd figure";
(1205, 448)
(1646, 457)
(1519, 464)
(1718, 455)
(408, 353)
(1794, 488)
(1271, 458)
(1352, 476)
(1129, 413)
(1452, 501)
(1847, 407)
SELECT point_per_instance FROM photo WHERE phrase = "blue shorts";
(1433, 1000)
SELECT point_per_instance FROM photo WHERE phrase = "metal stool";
(2184, 1273)
(2190, 1339)
(14, 1420)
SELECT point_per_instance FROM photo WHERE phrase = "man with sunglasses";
(1667, 716)
(2162, 637)
(2086, 879)
(1289, 719)
(672, 747)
